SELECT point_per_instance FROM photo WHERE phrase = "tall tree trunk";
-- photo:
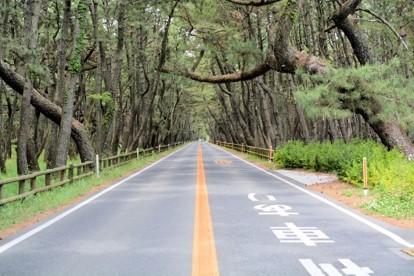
(52, 153)
(31, 26)
(2, 136)
(3, 32)
(116, 80)
(98, 76)
(74, 69)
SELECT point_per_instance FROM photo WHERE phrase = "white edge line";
(76, 207)
(378, 228)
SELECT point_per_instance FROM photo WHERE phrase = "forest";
(86, 77)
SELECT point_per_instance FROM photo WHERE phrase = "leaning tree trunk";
(390, 132)
(78, 132)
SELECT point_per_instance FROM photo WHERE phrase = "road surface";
(203, 211)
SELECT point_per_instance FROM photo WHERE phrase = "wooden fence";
(34, 183)
(259, 152)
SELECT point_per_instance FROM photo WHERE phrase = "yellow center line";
(204, 248)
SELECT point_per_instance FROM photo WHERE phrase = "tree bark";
(390, 132)
(54, 158)
(78, 132)
(31, 28)
(118, 122)
(3, 154)
(98, 76)
(2, 136)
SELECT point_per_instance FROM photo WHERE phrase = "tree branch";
(256, 3)
(200, 57)
(387, 24)
(282, 57)
(355, 36)
(258, 70)
(164, 42)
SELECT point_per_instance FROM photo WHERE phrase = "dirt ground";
(352, 197)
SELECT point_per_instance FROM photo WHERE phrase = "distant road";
(203, 211)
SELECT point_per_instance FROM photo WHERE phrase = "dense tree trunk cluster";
(91, 79)
(92, 76)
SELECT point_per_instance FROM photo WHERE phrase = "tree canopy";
(92, 76)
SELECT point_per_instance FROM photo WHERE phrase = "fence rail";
(34, 183)
(259, 152)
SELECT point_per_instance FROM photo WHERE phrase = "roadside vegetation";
(390, 174)
(21, 211)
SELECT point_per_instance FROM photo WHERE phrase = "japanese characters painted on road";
(278, 210)
(252, 197)
(309, 236)
(324, 269)
(271, 209)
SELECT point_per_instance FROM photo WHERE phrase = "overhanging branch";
(258, 70)
(256, 3)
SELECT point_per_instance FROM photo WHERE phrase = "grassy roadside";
(19, 212)
(381, 203)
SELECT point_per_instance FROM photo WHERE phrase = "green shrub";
(388, 171)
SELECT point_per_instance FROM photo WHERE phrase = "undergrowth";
(390, 174)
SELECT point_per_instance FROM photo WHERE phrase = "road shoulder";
(330, 186)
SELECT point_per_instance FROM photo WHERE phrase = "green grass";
(390, 174)
(20, 211)
(391, 206)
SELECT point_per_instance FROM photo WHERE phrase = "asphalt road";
(262, 223)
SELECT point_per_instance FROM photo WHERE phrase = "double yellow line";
(204, 248)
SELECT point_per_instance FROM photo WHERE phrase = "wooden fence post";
(97, 165)
(21, 186)
(70, 174)
(33, 184)
(47, 179)
(270, 154)
(365, 175)
(62, 175)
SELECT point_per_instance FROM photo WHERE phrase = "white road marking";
(374, 226)
(252, 197)
(271, 198)
(353, 269)
(76, 207)
(311, 267)
(330, 270)
(350, 268)
(278, 210)
(306, 235)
